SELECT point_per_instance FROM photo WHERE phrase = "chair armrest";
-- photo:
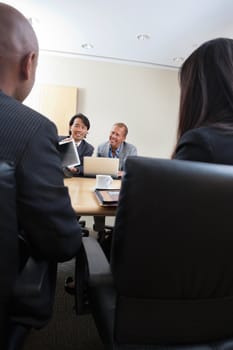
(92, 269)
(98, 266)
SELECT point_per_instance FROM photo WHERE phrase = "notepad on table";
(107, 197)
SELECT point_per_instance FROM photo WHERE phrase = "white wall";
(145, 98)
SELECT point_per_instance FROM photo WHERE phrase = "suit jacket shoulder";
(103, 149)
(21, 123)
(85, 149)
(206, 144)
(129, 149)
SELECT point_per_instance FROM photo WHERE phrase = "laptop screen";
(100, 165)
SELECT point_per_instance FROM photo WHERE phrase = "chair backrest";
(172, 252)
(8, 242)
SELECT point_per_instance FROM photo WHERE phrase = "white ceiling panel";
(174, 27)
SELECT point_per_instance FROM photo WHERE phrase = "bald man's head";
(18, 52)
(17, 36)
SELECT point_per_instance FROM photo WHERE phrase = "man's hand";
(73, 170)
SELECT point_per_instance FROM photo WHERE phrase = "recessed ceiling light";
(143, 36)
(87, 46)
(178, 59)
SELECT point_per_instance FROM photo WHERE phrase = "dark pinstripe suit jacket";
(44, 210)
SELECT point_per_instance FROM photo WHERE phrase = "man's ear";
(27, 65)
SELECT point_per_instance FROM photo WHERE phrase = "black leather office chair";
(169, 284)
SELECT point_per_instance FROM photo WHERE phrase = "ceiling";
(174, 27)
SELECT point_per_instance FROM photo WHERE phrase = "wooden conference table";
(83, 199)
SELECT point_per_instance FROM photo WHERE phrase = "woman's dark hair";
(206, 81)
(81, 116)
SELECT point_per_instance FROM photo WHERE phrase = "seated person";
(115, 147)
(78, 128)
(79, 125)
(46, 219)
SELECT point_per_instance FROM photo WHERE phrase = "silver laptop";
(100, 165)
